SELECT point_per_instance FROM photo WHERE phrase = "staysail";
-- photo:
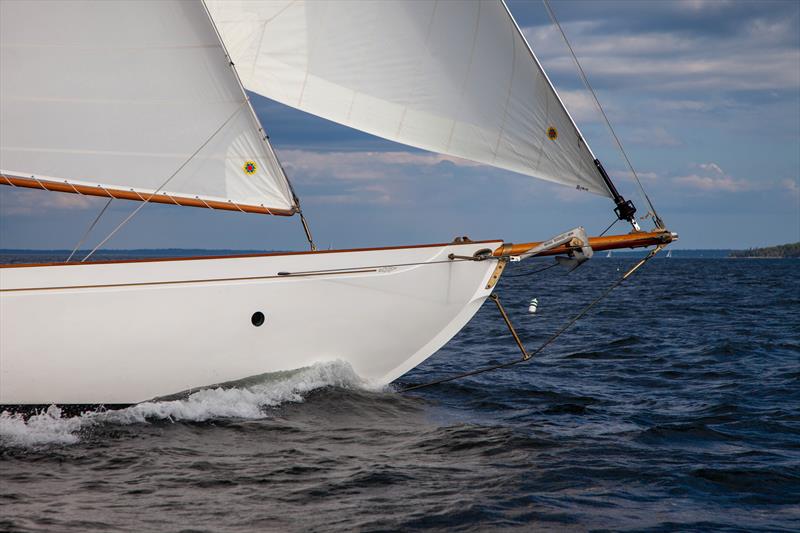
(456, 78)
(127, 99)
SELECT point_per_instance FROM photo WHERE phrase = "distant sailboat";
(146, 101)
(669, 254)
(608, 254)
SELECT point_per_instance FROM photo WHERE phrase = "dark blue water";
(673, 406)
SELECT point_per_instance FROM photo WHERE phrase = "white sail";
(113, 98)
(452, 77)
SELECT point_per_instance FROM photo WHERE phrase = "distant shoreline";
(782, 251)
(757, 257)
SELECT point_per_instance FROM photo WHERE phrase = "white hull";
(121, 333)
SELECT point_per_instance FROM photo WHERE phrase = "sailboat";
(669, 254)
(147, 101)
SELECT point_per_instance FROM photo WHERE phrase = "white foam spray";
(50, 428)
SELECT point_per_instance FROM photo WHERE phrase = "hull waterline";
(122, 333)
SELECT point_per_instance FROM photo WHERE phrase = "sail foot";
(141, 196)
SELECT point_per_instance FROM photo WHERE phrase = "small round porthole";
(257, 319)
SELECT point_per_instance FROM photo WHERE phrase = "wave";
(238, 402)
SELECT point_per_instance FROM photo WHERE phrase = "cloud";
(31, 202)
(762, 54)
(708, 183)
(652, 136)
(792, 186)
(703, 5)
(713, 178)
(581, 105)
(683, 105)
(366, 177)
(365, 194)
(644, 176)
(310, 165)
(711, 167)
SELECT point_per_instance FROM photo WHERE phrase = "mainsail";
(455, 78)
(128, 99)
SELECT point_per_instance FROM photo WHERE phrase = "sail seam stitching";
(466, 76)
(418, 70)
(508, 96)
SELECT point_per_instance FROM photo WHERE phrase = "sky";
(704, 95)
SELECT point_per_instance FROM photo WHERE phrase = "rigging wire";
(386, 266)
(609, 227)
(146, 200)
(531, 273)
(657, 219)
(455, 259)
(550, 339)
(89, 230)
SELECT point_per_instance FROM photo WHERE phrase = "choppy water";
(674, 406)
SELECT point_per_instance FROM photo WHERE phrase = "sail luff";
(543, 72)
(546, 77)
(277, 167)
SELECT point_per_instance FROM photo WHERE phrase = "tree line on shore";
(782, 250)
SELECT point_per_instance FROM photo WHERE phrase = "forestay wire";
(657, 219)
(146, 200)
(89, 229)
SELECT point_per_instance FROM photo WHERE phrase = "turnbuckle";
(496, 300)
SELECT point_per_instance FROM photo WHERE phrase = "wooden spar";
(636, 239)
(159, 198)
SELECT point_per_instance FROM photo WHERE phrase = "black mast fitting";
(625, 209)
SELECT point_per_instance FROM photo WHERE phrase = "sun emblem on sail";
(249, 167)
(552, 133)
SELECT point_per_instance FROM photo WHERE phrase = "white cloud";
(581, 106)
(23, 202)
(356, 195)
(364, 177)
(713, 178)
(761, 56)
(368, 166)
(711, 167)
(703, 5)
(644, 176)
(682, 105)
(652, 136)
(708, 183)
(791, 185)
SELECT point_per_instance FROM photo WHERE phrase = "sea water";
(674, 405)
